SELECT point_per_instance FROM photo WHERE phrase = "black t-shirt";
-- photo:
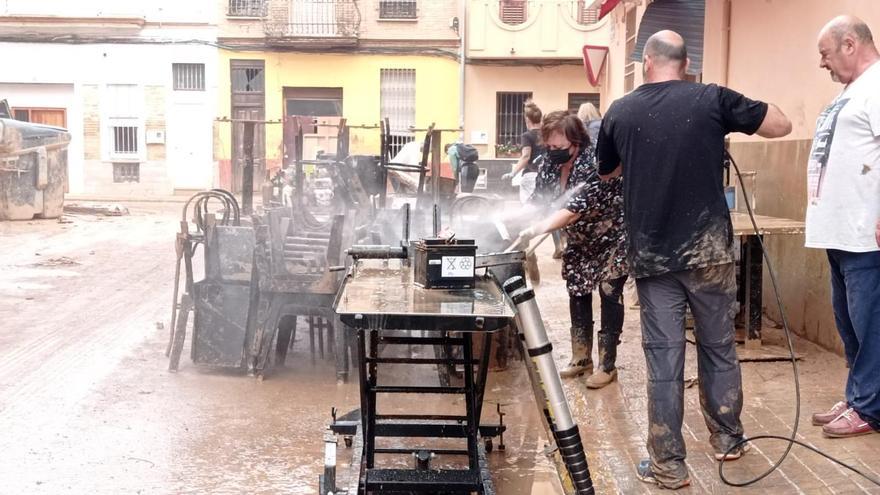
(531, 139)
(669, 137)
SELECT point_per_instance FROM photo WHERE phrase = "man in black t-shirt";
(667, 140)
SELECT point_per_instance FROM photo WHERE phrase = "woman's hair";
(532, 112)
(570, 125)
(588, 112)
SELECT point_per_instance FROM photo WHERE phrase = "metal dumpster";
(33, 169)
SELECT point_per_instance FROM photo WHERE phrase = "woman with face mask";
(590, 212)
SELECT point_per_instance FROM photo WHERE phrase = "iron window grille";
(188, 77)
(510, 121)
(397, 102)
(126, 172)
(513, 12)
(397, 9)
(125, 140)
(247, 8)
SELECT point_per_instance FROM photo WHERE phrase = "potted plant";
(507, 150)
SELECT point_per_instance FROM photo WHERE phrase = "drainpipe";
(727, 10)
(462, 26)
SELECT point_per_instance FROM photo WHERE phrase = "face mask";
(558, 157)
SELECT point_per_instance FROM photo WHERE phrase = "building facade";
(330, 59)
(135, 84)
(757, 48)
(529, 49)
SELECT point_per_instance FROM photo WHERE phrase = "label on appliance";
(434, 262)
(457, 266)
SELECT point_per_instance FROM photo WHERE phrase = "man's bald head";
(665, 55)
(843, 26)
(666, 46)
(846, 48)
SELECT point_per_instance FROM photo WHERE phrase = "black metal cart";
(380, 303)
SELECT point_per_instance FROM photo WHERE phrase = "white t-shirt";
(843, 173)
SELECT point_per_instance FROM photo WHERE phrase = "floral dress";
(596, 248)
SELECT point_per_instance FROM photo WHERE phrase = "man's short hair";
(659, 48)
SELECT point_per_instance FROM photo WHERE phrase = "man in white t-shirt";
(843, 216)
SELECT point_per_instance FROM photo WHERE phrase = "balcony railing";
(309, 19)
(247, 8)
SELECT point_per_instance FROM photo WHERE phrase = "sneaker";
(848, 424)
(601, 378)
(824, 418)
(736, 454)
(646, 474)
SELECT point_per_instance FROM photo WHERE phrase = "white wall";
(189, 141)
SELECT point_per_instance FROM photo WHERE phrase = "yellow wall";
(436, 91)
(550, 87)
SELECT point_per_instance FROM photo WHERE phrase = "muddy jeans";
(611, 323)
(711, 294)
(855, 296)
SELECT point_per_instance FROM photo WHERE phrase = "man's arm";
(613, 174)
(775, 123)
(877, 233)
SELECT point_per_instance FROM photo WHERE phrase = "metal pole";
(247, 177)
(436, 149)
(567, 435)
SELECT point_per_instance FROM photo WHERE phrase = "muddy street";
(87, 404)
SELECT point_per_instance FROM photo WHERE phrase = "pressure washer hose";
(791, 440)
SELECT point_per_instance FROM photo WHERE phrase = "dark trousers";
(611, 323)
(711, 294)
(855, 296)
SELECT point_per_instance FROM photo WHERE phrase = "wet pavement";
(87, 406)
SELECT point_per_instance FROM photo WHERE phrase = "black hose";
(791, 440)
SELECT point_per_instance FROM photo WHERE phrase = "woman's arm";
(560, 218)
(524, 160)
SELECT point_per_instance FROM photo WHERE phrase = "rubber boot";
(606, 372)
(581, 353)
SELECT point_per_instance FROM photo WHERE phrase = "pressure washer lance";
(567, 435)
(510, 286)
(529, 249)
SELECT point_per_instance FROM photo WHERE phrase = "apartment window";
(246, 8)
(122, 107)
(188, 77)
(584, 13)
(247, 79)
(397, 9)
(126, 172)
(513, 11)
(575, 100)
(629, 71)
(397, 102)
(510, 121)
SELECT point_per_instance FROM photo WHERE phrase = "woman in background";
(592, 120)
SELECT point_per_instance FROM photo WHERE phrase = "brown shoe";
(824, 418)
(601, 378)
(848, 424)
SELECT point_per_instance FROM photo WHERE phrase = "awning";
(606, 7)
(685, 17)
